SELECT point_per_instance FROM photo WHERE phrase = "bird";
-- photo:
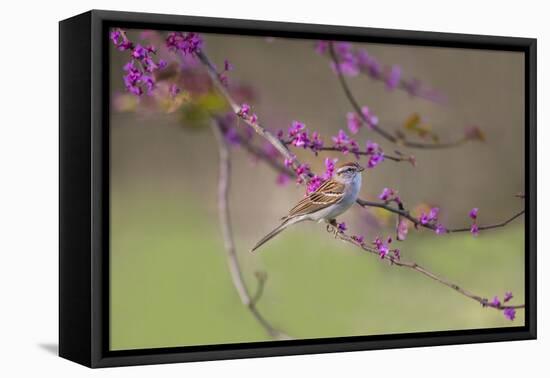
(330, 200)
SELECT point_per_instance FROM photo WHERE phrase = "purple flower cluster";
(381, 247)
(223, 76)
(440, 229)
(393, 77)
(430, 219)
(342, 227)
(321, 47)
(369, 64)
(330, 166)
(299, 136)
(352, 62)
(376, 155)
(313, 184)
(289, 162)
(316, 181)
(139, 71)
(282, 179)
(402, 228)
(347, 60)
(509, 313)
(245, 112)
(355, 121)
(302, 169)
(507, 296)
(384, 249)
(120, 41)
(389, 195)
(474, 229)
(341, 141)
(184, 43)
(359, 239)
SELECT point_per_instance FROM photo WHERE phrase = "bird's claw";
(332, 227)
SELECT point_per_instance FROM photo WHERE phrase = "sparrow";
(330, 200)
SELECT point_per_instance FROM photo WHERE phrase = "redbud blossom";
(507, 296)
(282, 179)
(440, 229)
(393, 78)
(342, 227)
(509, 313)
(358, 238)
(314, 183)
(330, 165)
(402, 228)
(245, 110)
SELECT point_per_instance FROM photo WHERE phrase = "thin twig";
(416, 221)
(376, 128)
(262, 277)
(229, 244)
(360, 153)
(490, 226)
(260, 154)
(266, 134)
(414, 266)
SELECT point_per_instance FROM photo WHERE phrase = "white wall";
(28, 161)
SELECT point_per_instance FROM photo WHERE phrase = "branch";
(399, 158)
(229, 243)
(266, 134)
(414, 266)
(257, 152)
(376, 128)
(416, 221)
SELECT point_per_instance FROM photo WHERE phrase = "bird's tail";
(273, 233)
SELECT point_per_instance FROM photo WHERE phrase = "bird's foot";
(332, 227)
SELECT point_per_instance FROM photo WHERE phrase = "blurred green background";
(169, 282)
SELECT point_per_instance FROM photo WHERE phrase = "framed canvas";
(234, 188)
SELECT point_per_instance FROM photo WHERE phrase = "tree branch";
(361, 153)
(416, 267)
(229, 243)
(416, 221)
(266, 134)
(386, 135)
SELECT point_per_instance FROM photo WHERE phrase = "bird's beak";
(361, 169)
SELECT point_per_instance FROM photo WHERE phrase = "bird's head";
(348, 171)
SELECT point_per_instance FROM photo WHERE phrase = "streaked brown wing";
(329, 193)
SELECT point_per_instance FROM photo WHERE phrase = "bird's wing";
(329, 193)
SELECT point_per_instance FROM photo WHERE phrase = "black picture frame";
(84, 188)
